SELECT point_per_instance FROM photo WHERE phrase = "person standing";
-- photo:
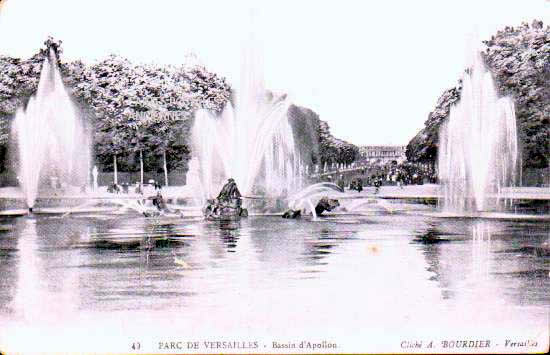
(341, 182)
(359, 185)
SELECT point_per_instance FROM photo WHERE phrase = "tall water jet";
(478, 146)
(250, 141)
(49, 137)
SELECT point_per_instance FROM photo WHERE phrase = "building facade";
(383, 153)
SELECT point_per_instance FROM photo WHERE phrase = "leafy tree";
(131, 108)
(519, 59)
(139, 115)
(314, 140)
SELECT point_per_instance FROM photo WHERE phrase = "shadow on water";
(434, 232)
(131, 263)
(527, 274)
(320, 247)
(477, 255)
(143, 235)
(542, 250)
(228, 232)
(145, 243)
(297, 245)
(431, 243)
(8, 262)
(431, 236)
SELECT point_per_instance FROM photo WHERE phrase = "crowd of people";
(385, 175)
(138, 187)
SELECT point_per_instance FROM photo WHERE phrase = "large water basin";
(355, 280)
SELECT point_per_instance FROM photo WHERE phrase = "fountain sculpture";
(49, 137)
(250, 141)
(478, 151)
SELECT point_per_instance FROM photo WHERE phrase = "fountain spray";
(50, 138)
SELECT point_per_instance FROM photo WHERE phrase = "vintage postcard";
(274, 177)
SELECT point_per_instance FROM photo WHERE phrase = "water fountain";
(95, 173)
(250, 141)
(50, 140)
(478, 149)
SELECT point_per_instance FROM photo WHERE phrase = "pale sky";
(372, 69)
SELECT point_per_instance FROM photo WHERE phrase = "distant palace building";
(383, 153)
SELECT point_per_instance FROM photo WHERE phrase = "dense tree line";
(315, 142)
(137, 112)
(139, 115)
(519, 59)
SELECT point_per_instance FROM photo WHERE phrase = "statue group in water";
(227, 205)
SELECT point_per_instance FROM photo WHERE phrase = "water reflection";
(433, 241)
(129, 264)
(481, 250)
(481, 260)
(296, 245)
(316, 249)
(8, 264)
(122, 264)
(229, 232)
(45, 290)
(459, 254)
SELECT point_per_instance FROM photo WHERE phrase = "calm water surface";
(361, 274)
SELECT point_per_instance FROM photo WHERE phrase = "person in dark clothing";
(341, 182)
(359, 185)
(113, 188)
(377, 184)
(158, 201)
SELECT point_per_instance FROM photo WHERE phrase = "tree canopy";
(315, 141)
(147, 108)
(129, 107)
(519, 59)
